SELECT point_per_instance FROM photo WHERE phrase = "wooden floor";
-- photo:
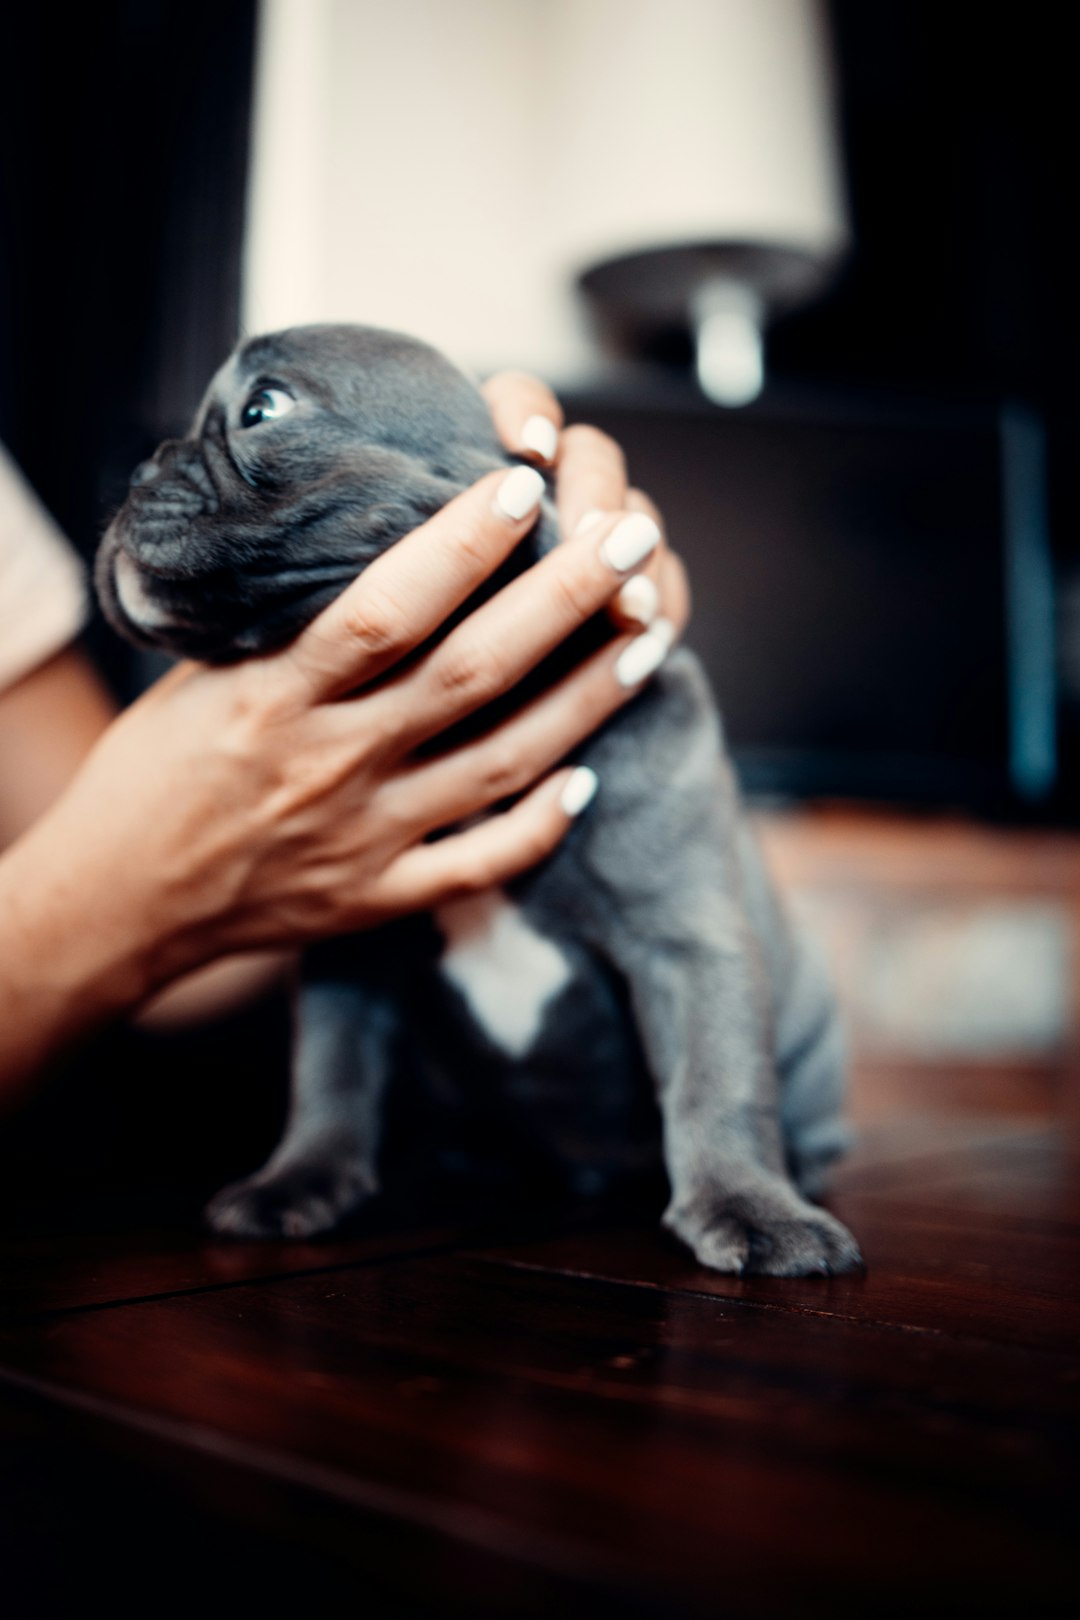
(561, 1415)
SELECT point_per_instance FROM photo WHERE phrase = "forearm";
(221, 988)
(70, 955)
(49, 721)
(77, 946)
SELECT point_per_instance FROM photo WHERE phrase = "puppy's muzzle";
(167, 496)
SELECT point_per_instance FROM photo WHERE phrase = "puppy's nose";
(144, 473)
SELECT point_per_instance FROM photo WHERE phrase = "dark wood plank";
(692, 1449)
(923, 1275)
(76, 1267)
(1030, 1177)
(973, 1232)
(99, 1514)
(1008, 1201)
(904, 1154)
(39, 1275)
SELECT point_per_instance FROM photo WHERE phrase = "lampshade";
(454, 167)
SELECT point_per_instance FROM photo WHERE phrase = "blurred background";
(810, 263)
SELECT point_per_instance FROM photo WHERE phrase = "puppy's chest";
(507, 972)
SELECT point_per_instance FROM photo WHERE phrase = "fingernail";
(541, 436)
(630, 542)
(638, 599)
(645, 654)
(579, 791)
(519, 492)
(589, 520)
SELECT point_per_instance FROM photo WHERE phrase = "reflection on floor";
(565, 1416)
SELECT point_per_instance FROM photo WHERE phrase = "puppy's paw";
(768, 1231)
(296, 1201)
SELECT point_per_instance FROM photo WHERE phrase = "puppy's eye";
(265, 405)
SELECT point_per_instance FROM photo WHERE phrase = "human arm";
(49, 720)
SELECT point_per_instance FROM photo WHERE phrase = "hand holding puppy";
(279, 800)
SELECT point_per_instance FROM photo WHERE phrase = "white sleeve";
(43, 597)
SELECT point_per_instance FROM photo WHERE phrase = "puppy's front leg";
(705, 1021)
(662, 862)
(326, 1163)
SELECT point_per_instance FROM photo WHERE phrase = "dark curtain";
(960, 148)
(123, 156)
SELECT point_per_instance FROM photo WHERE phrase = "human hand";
(590, 479)
(283, 799)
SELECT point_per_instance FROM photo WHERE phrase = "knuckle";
(256, 716)
(377, 623)
(472, 534)
(575, 589)
(472, 671)
(379, 733)
(504, 767)
(478, 872)
(274, 690)
(248, 705)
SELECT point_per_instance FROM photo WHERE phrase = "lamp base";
(704, 292)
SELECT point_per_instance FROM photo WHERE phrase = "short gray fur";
(685, 968)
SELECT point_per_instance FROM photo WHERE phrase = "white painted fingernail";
(579, 791)
(664, 631)
(589, 520)
(541, 436)
(639, 599)
(630, 542)
(645, 654)
(519, 493)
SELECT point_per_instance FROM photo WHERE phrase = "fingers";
(526, 414)
(407, 593)
(591, 477)
(503, 640)
(638, 602)
(591, 480)
(437, 793)
(665, 569)
(494, 851)
(660, 590)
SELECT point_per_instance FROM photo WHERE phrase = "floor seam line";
(262, 1278)
(765, 1305)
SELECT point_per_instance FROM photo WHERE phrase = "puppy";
(641, 987)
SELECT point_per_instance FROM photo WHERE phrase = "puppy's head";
(313, 450)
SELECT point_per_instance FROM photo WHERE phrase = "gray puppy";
(641, 987)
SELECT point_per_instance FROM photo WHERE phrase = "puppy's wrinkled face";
(313, 450)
